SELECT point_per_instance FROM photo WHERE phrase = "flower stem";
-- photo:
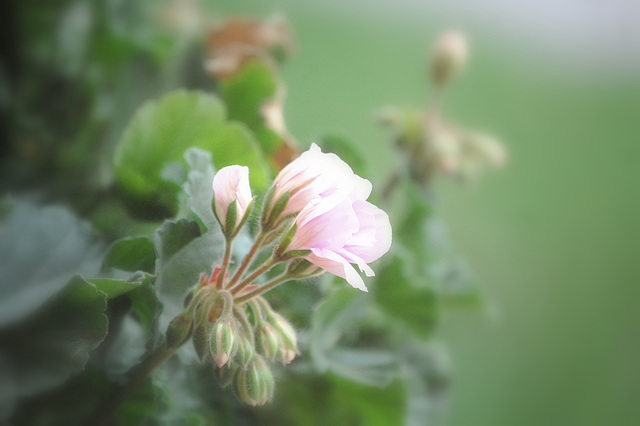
(268, 264)
(225, 263)
(102, 416)
(247, 259)
(264, 288)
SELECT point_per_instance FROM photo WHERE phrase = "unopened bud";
(179, 330)
(269, 341)
(449, 56)
(254, 385)
(200, 341)
(245, 352)
(223, 341)
(289, 342)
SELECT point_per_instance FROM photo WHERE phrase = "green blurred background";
(553, 238)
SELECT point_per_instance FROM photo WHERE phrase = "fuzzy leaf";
(41, 249)
(161, 132)
(413, 306)
(55, 342)
(199, 187)
(183, 254)
(131, 255)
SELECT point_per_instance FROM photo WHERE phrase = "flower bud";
(245, 352)
(179, 330)
(287, 335)
(254, 385)
(200, 341)
(449, 56)
(223, 342)
(269, 341)
(232, 197)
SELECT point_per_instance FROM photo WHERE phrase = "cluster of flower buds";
(431, 145)
(315, 218)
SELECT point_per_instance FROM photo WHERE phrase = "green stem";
(102, 416)
(247, 259)
(264, 288)
(268, 264)
(225, 263)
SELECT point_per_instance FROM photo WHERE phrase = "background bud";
(449, 56)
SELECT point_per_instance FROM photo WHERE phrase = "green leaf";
(41, 249)
(373, 406)
(114, 287)
(427, 380)
(146, 306)
(412, 305)
(198, 188)
(55, 342)
(338, 315)
(183, 254)
(131, 255)
(244, 94)
(161, 132)
(346, 150)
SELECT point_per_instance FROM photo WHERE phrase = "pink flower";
(231, 184)
(315, 174)
(340, 231)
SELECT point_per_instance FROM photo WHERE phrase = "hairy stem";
(264, 288)
(225, 263)
(268, 264)
(247, 259)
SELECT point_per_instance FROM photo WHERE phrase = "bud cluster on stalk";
(238, 339)
(314, 218)
(432, 145)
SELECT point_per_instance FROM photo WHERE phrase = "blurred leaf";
(374, 406)
(183, 254)
(244, 94)
(74, 403)
(346, 150)
(427, 379)
(131, 255)
(146, 306)
(55, 342)
(198, 187)
(41, 249)
(161, 132)
(413, 306)
(339, 314)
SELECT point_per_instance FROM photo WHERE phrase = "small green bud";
(245, 352)
(226, 374)
(287, 335)
(179, 330)
(200, 341)
(269, 341)
(223, 342)
(255, 385)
